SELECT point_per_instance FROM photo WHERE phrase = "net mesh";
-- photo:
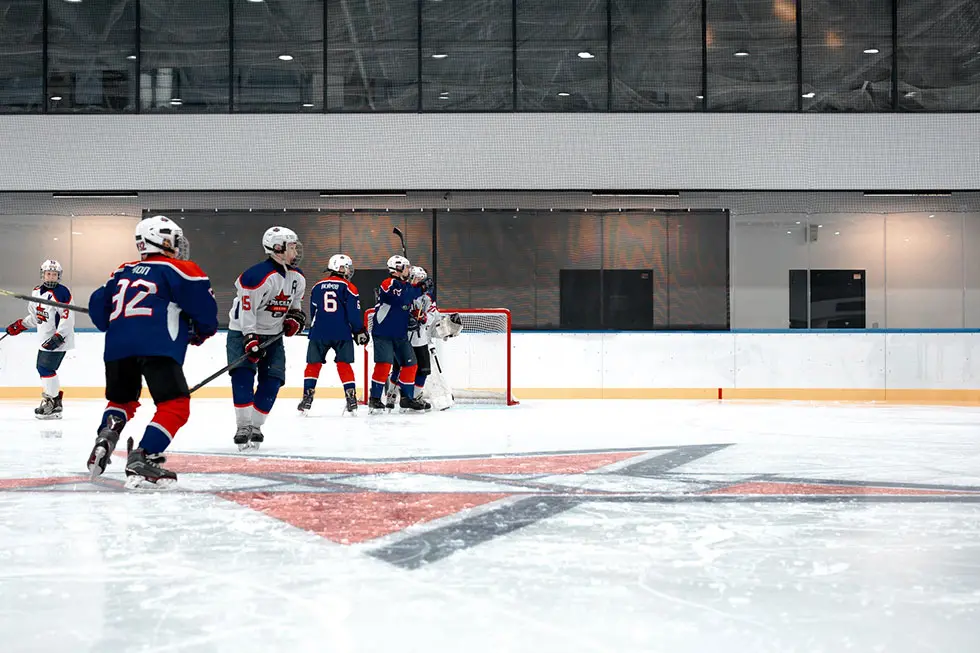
(475, 364)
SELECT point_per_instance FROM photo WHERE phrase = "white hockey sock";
(243, 415)
(50, 386)
(258, 417)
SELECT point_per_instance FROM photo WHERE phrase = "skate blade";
(47, 417)
(244, 446)
(254, 446)
(95, 468)
(137, 482)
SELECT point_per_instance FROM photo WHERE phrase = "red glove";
(252, 349)
(419, 314)
(294, 322)
(16, 327)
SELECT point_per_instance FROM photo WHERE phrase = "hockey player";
(56, 328)
(269, 303)
(150, 310)
(336, 323)
(425, 321)
(390, 330)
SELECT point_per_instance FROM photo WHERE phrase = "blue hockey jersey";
(335, 309)
(147, 308)
(391, 313)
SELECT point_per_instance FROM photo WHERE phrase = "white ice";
(637, 562)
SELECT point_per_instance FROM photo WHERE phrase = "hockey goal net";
(474, 365)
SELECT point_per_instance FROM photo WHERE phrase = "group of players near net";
(153, 308)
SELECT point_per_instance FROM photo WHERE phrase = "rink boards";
(905, 366)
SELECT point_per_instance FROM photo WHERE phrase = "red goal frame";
(472, 311)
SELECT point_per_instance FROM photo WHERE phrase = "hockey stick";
(43, 300)
(234, 363)
(401, 237)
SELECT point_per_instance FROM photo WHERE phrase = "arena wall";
(904, 366)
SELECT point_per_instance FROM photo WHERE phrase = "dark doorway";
(836, 298)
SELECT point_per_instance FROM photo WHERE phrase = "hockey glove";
(16, 327)
(362, 338)
(252, 343)
(53, 342)
(195, 338)
(294, 321)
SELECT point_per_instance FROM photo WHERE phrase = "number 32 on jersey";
(132, 308)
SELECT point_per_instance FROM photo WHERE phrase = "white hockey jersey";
(265, 292)
(50, 320)
(420, 331)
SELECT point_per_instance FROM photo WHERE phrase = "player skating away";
(390, 332)
(336, 323)
(56, 330)
(150, 310)
(269, 302)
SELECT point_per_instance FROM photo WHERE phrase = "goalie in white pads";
(425, 324)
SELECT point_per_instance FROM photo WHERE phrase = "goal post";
(475, 365)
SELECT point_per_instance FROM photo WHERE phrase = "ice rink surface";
(551, 526)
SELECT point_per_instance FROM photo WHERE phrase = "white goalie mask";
(161, 235)
(276, 243)
(341, 264)
(50, 265)
(418, 275)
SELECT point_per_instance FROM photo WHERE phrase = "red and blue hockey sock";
(160, 432)
(378, 378)
(125, 412)
(265, 396)
(406, 380)
(346, 374)
(311, 375)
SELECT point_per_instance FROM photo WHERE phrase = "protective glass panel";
(21, 56)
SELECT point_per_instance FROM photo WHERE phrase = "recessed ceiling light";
(55, 98)
(563, 94)
(932, 215)
(256, 1)
(308, 105)
(797, 222)
(440, 55)
(811, 94)
(71, 1)
(132, 57)
(176, 100)
(443, 97)
(76, 233)
(910, 94)
(285, 57)
(872, 51)
(586, 55)
(700, 97)
(789, 232)
(837, 233)
(741, 53)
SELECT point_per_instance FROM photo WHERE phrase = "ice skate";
(391, 396)
(351, 396)
(105, 444)
(242, 435)
(143, 470)
(50, 407)
(307, 402)
(255, 438)
(413, 404)
(375, 405)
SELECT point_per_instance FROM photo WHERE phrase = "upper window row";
(488, 55)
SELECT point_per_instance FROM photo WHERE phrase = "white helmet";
(50, 265)
(342, 265)
(160, 234)
(275, 240)
(398, 264)
(418, 274)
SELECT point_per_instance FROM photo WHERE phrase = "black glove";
(362, 338)
(294, 322)
(252, 343)
(53, 342)
(194, 338)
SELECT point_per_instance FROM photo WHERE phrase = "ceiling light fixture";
(810, 95)
(307, 105)
(285, 57)
(563, 94)
(55, 98)
(440, 55)
(872, 51)
(586, 55)
(741, 53)
(132, 57)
